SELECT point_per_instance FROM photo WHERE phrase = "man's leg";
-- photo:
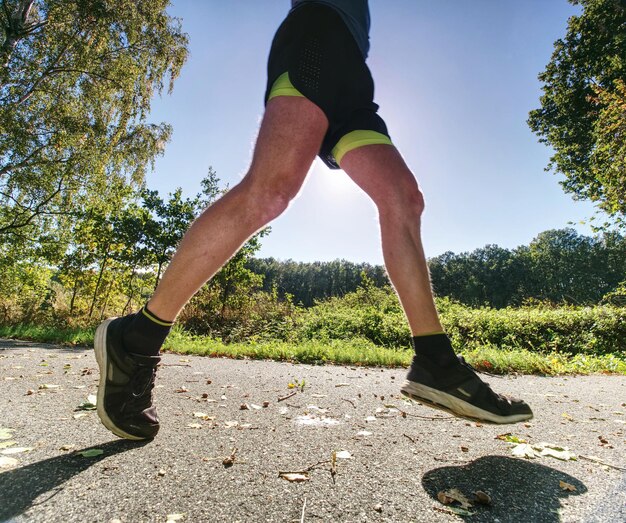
(127, 348)
(436, 376)
(382, 173)
(290, 137)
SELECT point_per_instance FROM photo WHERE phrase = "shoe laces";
(142, 383)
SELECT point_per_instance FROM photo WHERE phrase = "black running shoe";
(458, 390)
(126, 382)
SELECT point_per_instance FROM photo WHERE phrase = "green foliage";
(76, 82)
(567, 330)
(581, 115)
(370, 313)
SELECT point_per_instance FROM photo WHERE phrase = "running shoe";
(457, 389)
(126, 381)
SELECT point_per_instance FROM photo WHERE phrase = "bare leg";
(289, 138)
(382, 173)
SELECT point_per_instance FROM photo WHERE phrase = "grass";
(347, 352)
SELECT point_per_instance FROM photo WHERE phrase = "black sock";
(145, 333)
(435, 347)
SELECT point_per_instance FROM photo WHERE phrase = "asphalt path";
(392, 456)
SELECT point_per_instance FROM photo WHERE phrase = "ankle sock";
(145, 333)
(435, 347)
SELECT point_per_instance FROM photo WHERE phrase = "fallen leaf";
(5, 433)
(15, 450)
(482, 498)
(510, 438)
(46, 386)
(91, 453)
(567, 486)
(343, 454)
(66, 447)
(523, 450)
(230, 460)
(370, 418)
(90, 404)
(175, 517)
(294, 476)
(203, 415)
(563, 455)
(6, 463)
(80, 415)
(6, 444)
(451, 495)
(194, 425)
(363, 433)
(230, 424)
(181, 390)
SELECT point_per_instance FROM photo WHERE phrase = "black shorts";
(314, 55)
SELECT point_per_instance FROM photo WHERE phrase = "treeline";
(559, 266)
(310, 282)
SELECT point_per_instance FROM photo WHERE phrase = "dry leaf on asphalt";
(450, 496)
(343, 454)
(523, 450)
(567, 486)
(5, 444)
(15, 450)
(6, 462)
(5, 433)
(482, 498)
(203, 415)
(194, 425)
(229, 461)
(296, 477)
(171, 518)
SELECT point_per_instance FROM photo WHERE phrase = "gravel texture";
(406, 456)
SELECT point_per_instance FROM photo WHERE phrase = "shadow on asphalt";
(520, 490)
(21, 486)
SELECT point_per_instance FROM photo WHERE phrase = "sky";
(455, 80)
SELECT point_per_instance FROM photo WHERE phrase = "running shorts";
(314, 55)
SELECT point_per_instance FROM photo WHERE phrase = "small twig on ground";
(288, 396)
(596, 460)
(350, 402)
(442, 418)
(409, 437)
(303, 508)
(303, 471)
(439, 458)
(174, 365)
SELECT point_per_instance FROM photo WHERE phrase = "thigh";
(289, 138)
(381, 172)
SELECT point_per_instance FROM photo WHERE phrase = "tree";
(582, 109)
(76, 82)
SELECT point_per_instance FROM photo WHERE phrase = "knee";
(269, 199)
(402, 200)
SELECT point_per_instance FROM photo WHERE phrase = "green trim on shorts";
(283, 87)
(355, 139)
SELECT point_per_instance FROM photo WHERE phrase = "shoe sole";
(456, 406)
(100, 348)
